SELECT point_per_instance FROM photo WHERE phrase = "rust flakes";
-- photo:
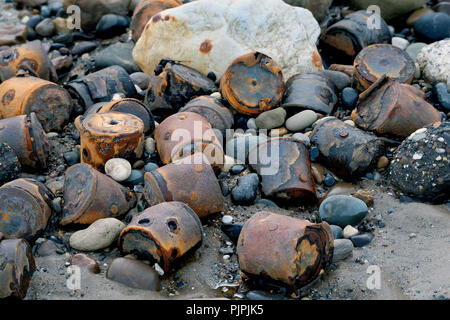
(316, 60)
(206, 46)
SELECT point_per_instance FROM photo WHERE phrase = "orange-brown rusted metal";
(285, 169)
(147, 9)
(252, 84)
(25, 208)
(347, 69)
(344, 149)
(174, 85)
(345, 39)
(126, 105)
(389, 107)
(190, 180)
(29, 58)
(383, 59)
(24, 134)
(100, 86)
(213, 111)
(312, 91)
(162, 233)
(90, 195)
(185, 133)
(284, 249)
(16, 268)
(108, 135)
(23, 95)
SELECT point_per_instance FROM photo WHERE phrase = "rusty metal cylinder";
(311, 91)
(252, 84)
(16, 268)
(343, 40)
(126, 105)
(25, 208)
(147, 9)
(285, 169)
(29, 58)
(213, 111)
(23, 95)
(383, 59)
(174, 85)
(109, 135)
(190, 180)
(284, 249)
(389, 107)
(185, 133)
(90, 195)
(24, 134)
(162, 234)
(344, 149)
(100, 86)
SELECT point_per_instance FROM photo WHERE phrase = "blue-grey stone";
(443, 95)
(244, 192)
(349, 97)
(237, 169)
(150, 167)
(343, 210)
(111, 25)
(83, 47)
(136, 177)
(434, 26)
(267, 203)
(337, 231)
(361, 240)
(117, 54)
(239, 147)
(72, 157)
(329, 180)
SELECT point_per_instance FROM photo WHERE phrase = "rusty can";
(29, 58)
(252, 84)
(312, 91)
(284, 249)
(10, 167)
(90, 195)
(218, 116)
(185, 133)
(24, 134)
(344, 149)
(23, 95)
(109, 135)
(25, 208)
(147, 9)
(383, 59)
(343, 40)
(126, 105)
(190, 180)
(16, 268)
(174, 85)
(389, 107)
(100, 86)
(285, 169)
(162, 233)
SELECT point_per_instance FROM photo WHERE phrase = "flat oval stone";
(433, 26)
(301, 120)
(271, 119)
(118, 169)
(343, 210)
(343, 248)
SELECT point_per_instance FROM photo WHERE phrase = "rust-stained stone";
(82, 260)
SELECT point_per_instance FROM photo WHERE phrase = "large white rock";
(208, 35)
(434, 61)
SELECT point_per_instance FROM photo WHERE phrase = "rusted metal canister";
(383, 59)
(28, 58)
(312, 91)
(10, 167)
(185, 133)
(285, 169)
(284, 249)
(393, 108)
(100, 86)
(23, 95)
(162, 233)
(252, 84)
(90, 195)
(24, 134)
(16, 268)
(343, 40)
(175, 85)
(25, 207)
(344, 149)
(108, 135)
(213, 111)
(126, 105)
(147, 9)
(190, 180)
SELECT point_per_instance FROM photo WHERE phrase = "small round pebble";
(118, 169)
(150, 167)
(150, 146)
(349, 97)
(227, 219)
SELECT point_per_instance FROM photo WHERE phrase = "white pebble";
(349, 232)
(118, 169)
(417, 156)
(400, 43)
(216, 95)
(158, 269)
(150, 146)
(227, 219)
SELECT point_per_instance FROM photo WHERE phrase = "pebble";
(416, 15)
(237, 169)
(313, 153)
(383, 162)
(239, 146)
(140, 79)
(349, 232)
(72, 157)
(251, 124)
(279, 132)
(317, 172)
(136, 177)
(400, 43)
(414, 49)
(134, 274)
(302, 137)
(266, 203)
(33, 21)
(349, 97)
(150, 166)
(340, 79)
(45, 28)
(433, 26)
(343, 248)
(150, 146)
(117, 54)
(227, 219)
(342, 210)
(329, 180)
(83, 47)
(350, 122)
(117, 168)
(228, 163)
(271, 119)
(83, 260)
(337, 231)
(138, 164)
(216, 95)
(46, 248)
(443, 95)
(361, 240)
(111, 25)
(99, 235)
(301, 120)
(232, 231)
(56, 205)
(244, 193)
